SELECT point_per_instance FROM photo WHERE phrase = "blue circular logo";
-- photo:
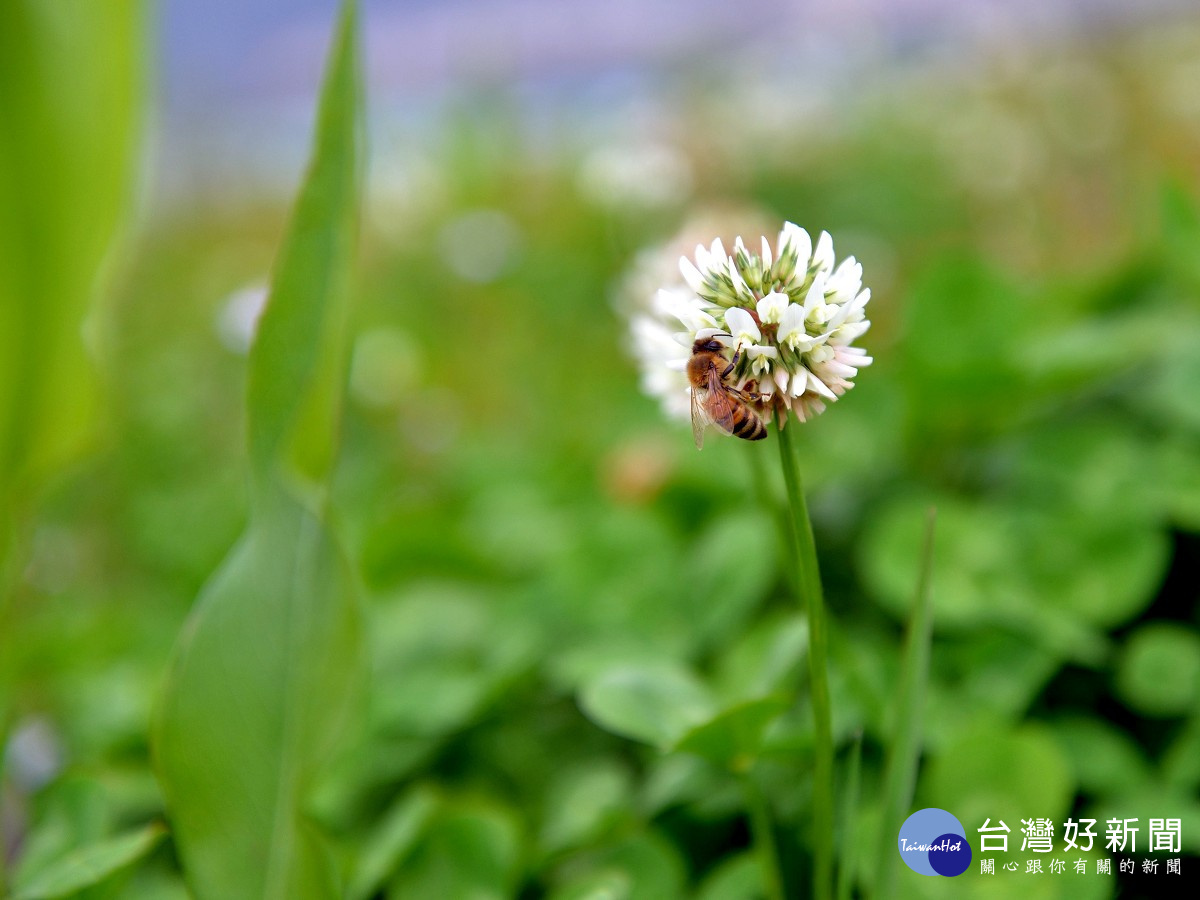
(933, 842)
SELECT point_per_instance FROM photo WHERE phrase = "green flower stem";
(764, 837)
(808, 580)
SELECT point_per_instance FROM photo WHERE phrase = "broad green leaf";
(469, 852)
(1180, 230)
(727, 587)
(1051, 572)
(90, 865)
(1178, 483)
(390, 841)
(443, 652)
(736, 878)
(71, 92)
(655, 704)
(1106, 760)
(999, 773)
(678, 779)
(266, 668)
(1172, 389)
(1181, 762)
(1158, 672)
(994, 676)
(71, 103)
(644, 866)
(734, 736)
(74, 811)
(256, 695)
(963, 363)
(581, 801)
(972, 568)
(765, 659)
(606, 884)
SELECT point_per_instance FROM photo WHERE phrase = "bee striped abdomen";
(749, 427)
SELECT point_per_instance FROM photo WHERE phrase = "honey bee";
(714, 400)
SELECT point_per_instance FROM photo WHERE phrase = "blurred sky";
(239, 76)
(243, 50)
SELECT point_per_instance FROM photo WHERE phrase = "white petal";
(772, 307)
(800, 379)
(780, 375)
(815, 383)
(847, 309)
(691, 274)
(847, 333)
(760, 358)
(799, 239)
(694, 318)
(741, 325)
(815, 298)
(766, 254)
(739, 283)
(823, 255)
(791, 328)
(684, 338)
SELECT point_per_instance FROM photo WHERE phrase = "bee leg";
(737, 355)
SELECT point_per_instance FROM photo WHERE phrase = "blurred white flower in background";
(640, 175)
(237, 320)
(480, 245)
(793, 312)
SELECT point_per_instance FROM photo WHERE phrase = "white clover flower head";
(790, 313)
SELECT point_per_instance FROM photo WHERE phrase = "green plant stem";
(849, 815)
(808, 579)
(764, 838)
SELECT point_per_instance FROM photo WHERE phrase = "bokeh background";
(1020, 182)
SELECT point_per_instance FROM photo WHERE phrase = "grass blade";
(846, 856)
(299, 335)
(269, 662)
(901, 774)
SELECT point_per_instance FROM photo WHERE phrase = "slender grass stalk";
(845, 880)
(900, 778)
(764, 838)
(808, 580)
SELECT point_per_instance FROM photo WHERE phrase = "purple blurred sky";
(226, 52)
(239, 77)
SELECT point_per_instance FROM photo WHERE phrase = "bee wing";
(700, 418)
(713, 405)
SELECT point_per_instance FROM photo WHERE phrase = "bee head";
(707, 340)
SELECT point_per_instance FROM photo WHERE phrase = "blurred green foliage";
(578, 627)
